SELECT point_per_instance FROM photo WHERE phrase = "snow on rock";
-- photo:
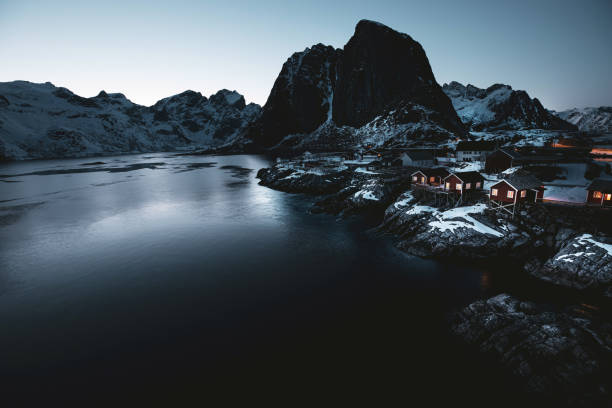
(583, 262)
(459, 217)
(589, 119)
(501, 107)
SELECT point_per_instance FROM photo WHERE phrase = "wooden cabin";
(431, 177)
(464, 181)
(600, 192)
(418, 158)
(516, 189)
(501, 159)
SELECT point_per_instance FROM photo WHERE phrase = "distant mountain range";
(377, 90)
(598, 120)
(44, 121)
(499, 107)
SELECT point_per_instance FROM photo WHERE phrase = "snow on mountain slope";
(499, 107)
(597, 120)
(44, 121)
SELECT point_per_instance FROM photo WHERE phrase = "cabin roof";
(599, 184)
(419, 154)
(476, 145)
(468, 176)
(513, 154)
(523, 181)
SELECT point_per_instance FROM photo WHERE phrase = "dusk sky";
(559, 51)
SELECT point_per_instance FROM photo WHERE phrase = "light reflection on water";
(184, 263)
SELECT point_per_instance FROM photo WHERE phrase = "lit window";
(597, 194)
(458, 186)
(510, 194)
(494, 191)
(608, 197)
(523, 193)
(447, 185)
(468, 186)
(423, 180)
(414, 178)
(478, 184)
(432, 179)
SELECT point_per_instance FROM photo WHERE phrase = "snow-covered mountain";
(379, 88)
(45, 121)
(598, 120)
(499, 107)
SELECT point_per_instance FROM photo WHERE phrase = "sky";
(558, 51)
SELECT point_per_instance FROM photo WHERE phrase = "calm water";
(179, 276)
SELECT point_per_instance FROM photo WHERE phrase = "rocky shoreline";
(564, 353)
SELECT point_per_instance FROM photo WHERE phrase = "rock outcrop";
(499, 107)
(563, 357)
(584, 263)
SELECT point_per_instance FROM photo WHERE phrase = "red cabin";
(461, 182)
(432, 177)
(600, 193)
(516, 189)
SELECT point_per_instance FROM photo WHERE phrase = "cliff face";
(381, 67)
(301, 98)
(378, 71)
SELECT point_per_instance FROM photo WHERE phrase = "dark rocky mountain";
(380, 78)
(44, 121)
(499, 107)
(300, 100)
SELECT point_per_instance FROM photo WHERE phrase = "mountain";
(499, 107)
(598, 120)
(379, 87)
(45, 121)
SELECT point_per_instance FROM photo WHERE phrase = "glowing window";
(478, 184)
(608, 197)
(458, 186)
(597, 194)
(510, 194)
(447, 185)
(523, 193)
(432, 179)
(414, 178)
(494, 191)
(423, 180)
(468, 186)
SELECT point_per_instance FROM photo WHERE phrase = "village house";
(600, 192)
(461, 182)
(515, 189)
(417, 158)
(502, 159)
(474, 150)
(431, 177)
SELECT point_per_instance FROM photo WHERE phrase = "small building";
(464, 181)
(502, 159)
(600, 192)
(390, 159)
(474, 150)
(432, 177)
(417, 158)
(515, 189)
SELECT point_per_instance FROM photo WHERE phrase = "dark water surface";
(159, 276)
